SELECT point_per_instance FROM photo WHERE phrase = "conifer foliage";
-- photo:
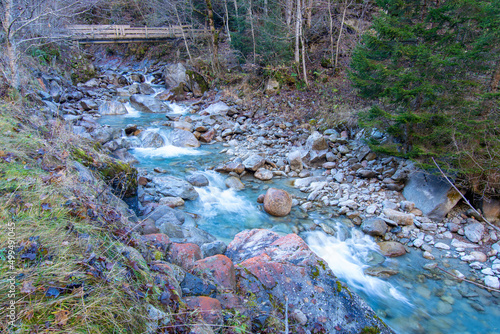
(433, 71)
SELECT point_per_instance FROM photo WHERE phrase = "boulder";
(146, 89)
(491, 209)
(208, 136)
(183, 125)
(174, 75)
(172, 186)
(209, 309)
(431, 194)
(272, 86)
(276, 270)
(233, 166)
(277, 202)
(198, 180)
(88, 104)
(220, 267)
(183, 234)
(254, 162)
(183, 138)
(219, 108)
(295, 159)
(263, 174)
(374, 227)
(112, 108)
(400, 218)
(235, 183)
(172, 202)
(392, 248)
(184, 255)
(316, 142)
(148, 104)
(151, 139)
(474, 232)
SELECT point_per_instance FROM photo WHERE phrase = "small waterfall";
(132, 112)
(348, 257)
(166, 151)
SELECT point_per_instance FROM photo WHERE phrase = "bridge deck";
(127, 34)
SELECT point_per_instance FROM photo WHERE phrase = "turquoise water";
(413, 301)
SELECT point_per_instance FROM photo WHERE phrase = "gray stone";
(374, 227)
(399, 217)
(263, 174)
(88, 104)
(213, 248)
(148, 104)
(172, 186)
(474, 232)
(174, 75)
(198, 180)
(182, 138)
(366, 173)
(112, 108)
(316, 142)
(295, 159)
(254, 162)
(431, 194)
(492, 282)
(219, 108)
(146, 89)
(234, 183)
(151, 139)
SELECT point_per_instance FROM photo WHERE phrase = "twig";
(465, 199)
(469, 281)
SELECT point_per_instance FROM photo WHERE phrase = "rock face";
(277, 202)
(431, 194)
(272, 267)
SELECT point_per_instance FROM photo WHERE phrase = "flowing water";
(412, 301)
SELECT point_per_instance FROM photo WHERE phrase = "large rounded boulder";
(277, 202)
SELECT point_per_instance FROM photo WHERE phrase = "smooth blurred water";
(413, 301)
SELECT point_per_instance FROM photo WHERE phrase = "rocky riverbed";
(327, 175)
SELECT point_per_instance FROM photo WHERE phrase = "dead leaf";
(62, 317)
(28, 287)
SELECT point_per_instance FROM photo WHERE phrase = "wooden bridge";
(102, 34)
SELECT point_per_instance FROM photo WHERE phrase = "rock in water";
(263, 174)
(277, 202)
(272, 268)
(374, 227)
(392, 248)
(112, 108)
(182, 138)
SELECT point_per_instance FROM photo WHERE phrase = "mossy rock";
(196, 82)
(120, 175)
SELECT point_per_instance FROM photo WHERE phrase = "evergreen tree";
(433, 70)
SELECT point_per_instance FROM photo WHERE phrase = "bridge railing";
(126, 32)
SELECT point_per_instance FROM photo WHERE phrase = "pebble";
(428, 255)
(441, 245)
(492, 282)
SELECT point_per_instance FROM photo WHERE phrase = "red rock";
(210, 308)
(277, 202)
(185, 255)
(157, 238)
(220, 267)
(208, 136)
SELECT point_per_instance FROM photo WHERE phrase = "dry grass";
(70, 276)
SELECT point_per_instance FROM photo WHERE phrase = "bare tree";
(29, 22)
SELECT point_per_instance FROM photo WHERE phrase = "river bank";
(331, 176)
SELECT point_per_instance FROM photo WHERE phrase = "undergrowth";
(66, 240)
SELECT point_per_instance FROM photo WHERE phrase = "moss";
(370, 330)
(339, 286)
(322, 264)
(199, 79)
(315, 272)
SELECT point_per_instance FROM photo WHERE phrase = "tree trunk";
(215, 36)
(250, 16)
(340, 35)
(288, 12)
(227, 22)
(304, 70)
(298, 24)
(13, 76)
(308, 11)
(331, 30)
(183, 34)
